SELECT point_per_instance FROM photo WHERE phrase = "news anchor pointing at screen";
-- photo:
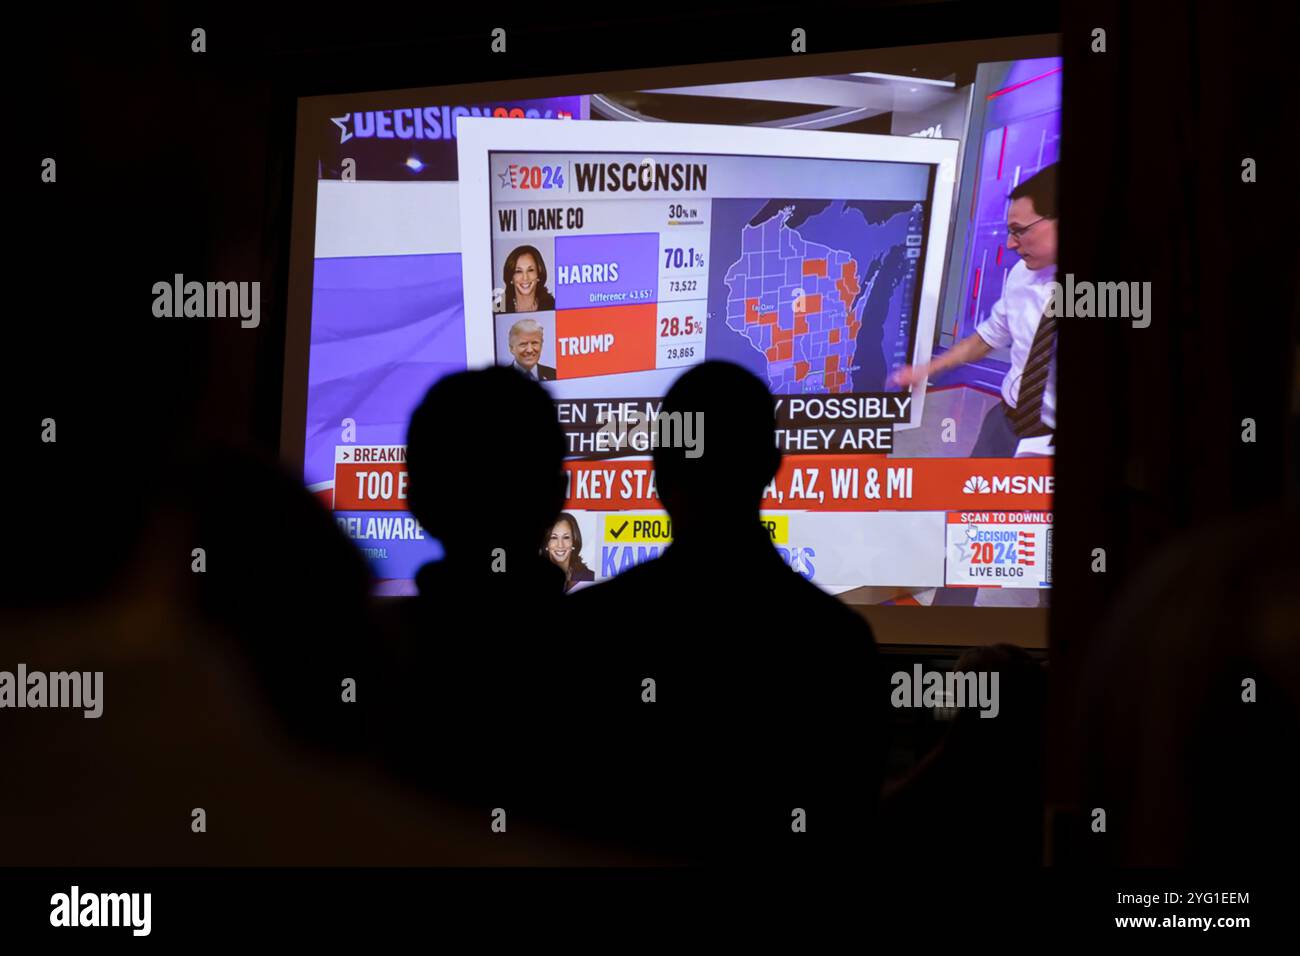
(1018, 320)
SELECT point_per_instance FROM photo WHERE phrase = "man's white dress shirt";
(1013, 322)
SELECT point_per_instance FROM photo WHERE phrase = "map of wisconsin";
(793, 300)
(802, 304)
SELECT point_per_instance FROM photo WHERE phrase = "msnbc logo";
(1010, 485)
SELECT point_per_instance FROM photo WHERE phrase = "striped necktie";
(1026, 417)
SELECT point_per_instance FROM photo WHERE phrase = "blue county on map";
(801, 304)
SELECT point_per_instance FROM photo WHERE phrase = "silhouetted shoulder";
(643, 577)
(832, 605)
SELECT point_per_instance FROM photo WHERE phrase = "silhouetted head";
(716, 476)
(1015, 733)
(295, 606)
(485, 456)
(983, 784)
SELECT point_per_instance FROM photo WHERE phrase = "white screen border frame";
(478, 136)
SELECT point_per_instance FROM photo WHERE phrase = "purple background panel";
(637, 255)
(1021, 131)
(383, 329)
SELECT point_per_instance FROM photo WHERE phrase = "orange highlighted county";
(847, 283)
(812, 304)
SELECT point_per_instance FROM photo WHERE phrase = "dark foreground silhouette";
(1190, 700)
(767, 711)
(222, 692)
(474, 670)
(981, 788)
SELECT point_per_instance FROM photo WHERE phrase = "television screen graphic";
(603, 255)
(603, 273)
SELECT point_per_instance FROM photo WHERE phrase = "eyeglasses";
(1017, 233)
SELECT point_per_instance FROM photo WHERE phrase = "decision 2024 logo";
(999, 548)
(1009, 546)
(428, 122)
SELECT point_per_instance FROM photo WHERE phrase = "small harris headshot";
(564, 548)
(525, 278)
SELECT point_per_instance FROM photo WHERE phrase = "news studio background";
(239, 698)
